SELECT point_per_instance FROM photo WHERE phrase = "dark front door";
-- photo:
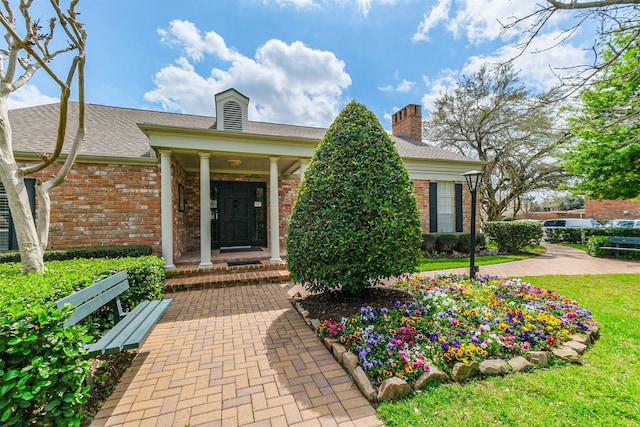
(238, 214)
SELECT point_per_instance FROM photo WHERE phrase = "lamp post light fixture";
(473, 179)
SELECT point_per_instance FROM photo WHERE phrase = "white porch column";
(166, 209)
(274, 211)
(303, 168)
(205, 211)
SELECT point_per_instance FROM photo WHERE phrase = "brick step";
(223, 269)
(219, 280)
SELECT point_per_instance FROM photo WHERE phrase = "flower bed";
(456, 320)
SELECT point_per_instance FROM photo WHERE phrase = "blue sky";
(299, 61)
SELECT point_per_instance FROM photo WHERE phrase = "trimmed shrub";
(432, 243)
(429, 241)
(356, 219)
(594, 243)
(447, 242)
(84, 252)
(561, 234)
(615, 231)
(464, 239)
(42, 365)
(513, 236)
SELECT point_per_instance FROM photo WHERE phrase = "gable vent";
(232, 116)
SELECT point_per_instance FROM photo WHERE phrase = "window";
(8, 239)
(4, 219)
(445, 207)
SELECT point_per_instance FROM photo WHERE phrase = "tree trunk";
(44, 215)
(31, 252)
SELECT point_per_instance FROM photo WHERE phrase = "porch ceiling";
(227, 163)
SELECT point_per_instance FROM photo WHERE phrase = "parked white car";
(568, 223)
(623, 223)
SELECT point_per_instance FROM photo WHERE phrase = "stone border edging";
(396, 388)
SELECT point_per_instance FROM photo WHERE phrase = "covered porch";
(223, 190)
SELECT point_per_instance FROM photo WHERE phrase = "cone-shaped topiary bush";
(356, 219)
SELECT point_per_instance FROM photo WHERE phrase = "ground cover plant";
(603, 391)
(43, 370)
(453, 319)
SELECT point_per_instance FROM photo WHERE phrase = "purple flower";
(397, 304)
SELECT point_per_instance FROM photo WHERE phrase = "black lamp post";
(473, 179)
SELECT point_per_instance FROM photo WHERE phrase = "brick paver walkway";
(242, 356)
(556, 260)
(235, 357)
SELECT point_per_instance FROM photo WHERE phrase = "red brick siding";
(287, 193)
(421, 189)
(603, 210)
(408, 121)
(180, 230)
(105, 204)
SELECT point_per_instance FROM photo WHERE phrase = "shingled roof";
(114, 131)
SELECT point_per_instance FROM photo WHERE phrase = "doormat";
(237, 263)
(232, 250)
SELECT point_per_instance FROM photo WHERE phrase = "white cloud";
(477, 20)
(184, 34)
(363, 6)
(538, 66)
(439, 86)
(482, 20)
(29, 96)
(298, 4)
(404, 86)
(287, 83)
(439, 13)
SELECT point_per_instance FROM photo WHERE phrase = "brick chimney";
(407, 122)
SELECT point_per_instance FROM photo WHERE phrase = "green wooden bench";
(629, 244)
(131, 328)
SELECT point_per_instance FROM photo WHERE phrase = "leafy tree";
(605, 156)
(356, 220)
(492, 117)
(27, 49)
(571, 202)
(621, 17)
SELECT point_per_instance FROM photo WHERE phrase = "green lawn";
(605, 391)
(574, 245)
(432, 264)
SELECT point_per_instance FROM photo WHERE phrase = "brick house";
(603, 210)
(166, 179)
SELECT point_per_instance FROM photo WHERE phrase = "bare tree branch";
(612, 17)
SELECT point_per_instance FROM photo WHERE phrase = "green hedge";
(42, 365)
(594, 243)
(582, 235)
(562, 234)
(84, 252)
(434, 243)
(622, 232)
(513, 236)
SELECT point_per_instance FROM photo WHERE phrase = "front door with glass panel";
(238, 214)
